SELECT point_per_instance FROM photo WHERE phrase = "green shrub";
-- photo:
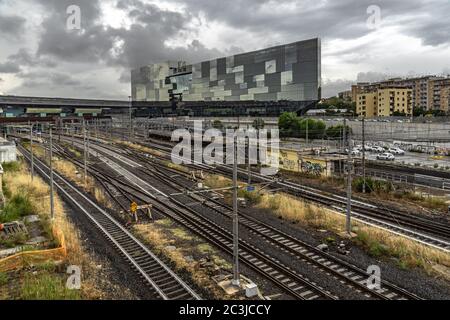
(11, 166)
(3, 278)
(358, 184)
(253, 197)
(6, 191)
(374, 248)
(18, 206)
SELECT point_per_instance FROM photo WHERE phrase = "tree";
(217, 124)
(399, 114)
(258, 124)
(287, 120)
(417, 112)
(293, 126)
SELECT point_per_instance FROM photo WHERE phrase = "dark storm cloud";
(9, 67)
(144, 41)
(24, 58)
(141, 44)
(11, 26)
(345, 19)
(36, 79)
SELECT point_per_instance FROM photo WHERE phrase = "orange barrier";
(25, 258)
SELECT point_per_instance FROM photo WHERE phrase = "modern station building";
(289, 72)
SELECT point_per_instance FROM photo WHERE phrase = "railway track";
(333, 266)
(412, 226)
(337, 268)
(163, 281)
(269, 267)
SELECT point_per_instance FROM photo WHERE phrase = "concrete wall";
(8, 152)
(399, 131)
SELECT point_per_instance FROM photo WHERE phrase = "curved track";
(165, 283)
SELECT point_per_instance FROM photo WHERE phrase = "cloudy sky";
(40, 56)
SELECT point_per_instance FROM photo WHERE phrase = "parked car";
(354, 152)
(386, 156)
(378, 149)
(397, 151)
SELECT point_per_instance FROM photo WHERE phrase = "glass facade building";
(286, 72)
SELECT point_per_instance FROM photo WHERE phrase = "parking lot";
(413, 158)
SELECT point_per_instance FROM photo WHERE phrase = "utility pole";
(96, 129)
(131, 119)
(349, 180)
(31, 151)
(236, 276)
(88, 134)
(52, 205)
(73, 132)
(45, 149)
(60, 122)
(249, 174)
(364, 154)
(85, 155)
(307, 133)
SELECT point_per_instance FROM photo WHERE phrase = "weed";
(14, 166)
(3, 278)
(18, 206)
(46, 287)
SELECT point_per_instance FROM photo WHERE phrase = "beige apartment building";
(426, 91)
(445, 99)
(436, 87)
(367, 104)
(385, 102)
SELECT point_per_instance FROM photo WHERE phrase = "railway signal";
(133, 210)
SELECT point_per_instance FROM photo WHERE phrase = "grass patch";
(205, 248)
(19, 183)
(376, 242)
(16, 240)
(181, 234)
(19, 205)
(3, 278)
(216, 181)
(431, 202)
(177, 167)
(164, 222)
(298, 211)
(159, 239)
(47, 286)
(374, 247)
(253, 197)
(11, 166)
